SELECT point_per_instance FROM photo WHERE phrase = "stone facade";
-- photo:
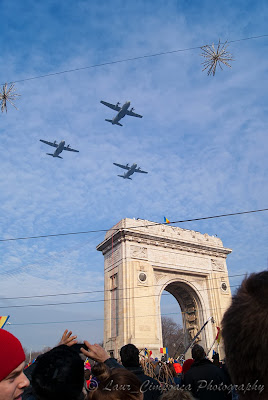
(141, 260)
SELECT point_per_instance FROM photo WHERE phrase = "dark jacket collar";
(204, 361)
(135, 370)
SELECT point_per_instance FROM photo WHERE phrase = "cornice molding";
(131, 236)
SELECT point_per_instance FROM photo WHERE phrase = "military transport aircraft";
(130, 171)
(59, 148)
(121, 112)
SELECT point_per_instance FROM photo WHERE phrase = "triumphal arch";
(141, 260)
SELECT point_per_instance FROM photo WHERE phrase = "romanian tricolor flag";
(3, 321)
(218, 336)
(166, 221)
(164, 350)
(147, 353)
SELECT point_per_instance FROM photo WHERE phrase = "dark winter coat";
(206, 381)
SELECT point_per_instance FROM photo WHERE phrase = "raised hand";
(67, 338)
(95, 351)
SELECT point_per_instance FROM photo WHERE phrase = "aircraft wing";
(69, 149)
(139, 170)
(132, 114)
(122, 166)
(53, 144)
(112, 106)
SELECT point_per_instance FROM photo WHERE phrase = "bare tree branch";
(172, 335)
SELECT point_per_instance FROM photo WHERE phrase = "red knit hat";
(187, 365)
(11, 353)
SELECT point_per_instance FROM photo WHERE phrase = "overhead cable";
(132, 227)
(109, 319)
(107, 290)
(97, 301)
(128, 59)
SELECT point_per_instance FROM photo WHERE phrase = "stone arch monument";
(141, 260)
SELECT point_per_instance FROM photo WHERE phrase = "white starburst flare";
(8, 95)
(215, 57)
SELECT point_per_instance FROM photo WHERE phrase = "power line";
(131, 227)
(103, 291)
(96, 301)
(109, 319)
(249, 38)
(80, 320)
(49, 258)
(128, 59)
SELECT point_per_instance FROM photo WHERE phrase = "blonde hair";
(115, 384)
(177, 394)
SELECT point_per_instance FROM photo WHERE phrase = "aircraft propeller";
(117, 104)
(132, 109)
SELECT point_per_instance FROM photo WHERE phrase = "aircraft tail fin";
(123, 176)
(110, 120)
(52, 155)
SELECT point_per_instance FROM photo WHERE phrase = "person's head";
(176, 394)
(198, 353)
(244, 331)
(87, 374)
(130, 355)
(59, 375)
(216, 359)
(87, 370)
(177, 366)
(115, 384)
(187, 365)
(12, 361)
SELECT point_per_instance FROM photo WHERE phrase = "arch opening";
(183, 301)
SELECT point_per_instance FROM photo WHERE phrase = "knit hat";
(11, 353)
(187, 365)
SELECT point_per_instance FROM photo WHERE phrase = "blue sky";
(203, 140)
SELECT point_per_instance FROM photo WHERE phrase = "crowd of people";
(62, 373)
